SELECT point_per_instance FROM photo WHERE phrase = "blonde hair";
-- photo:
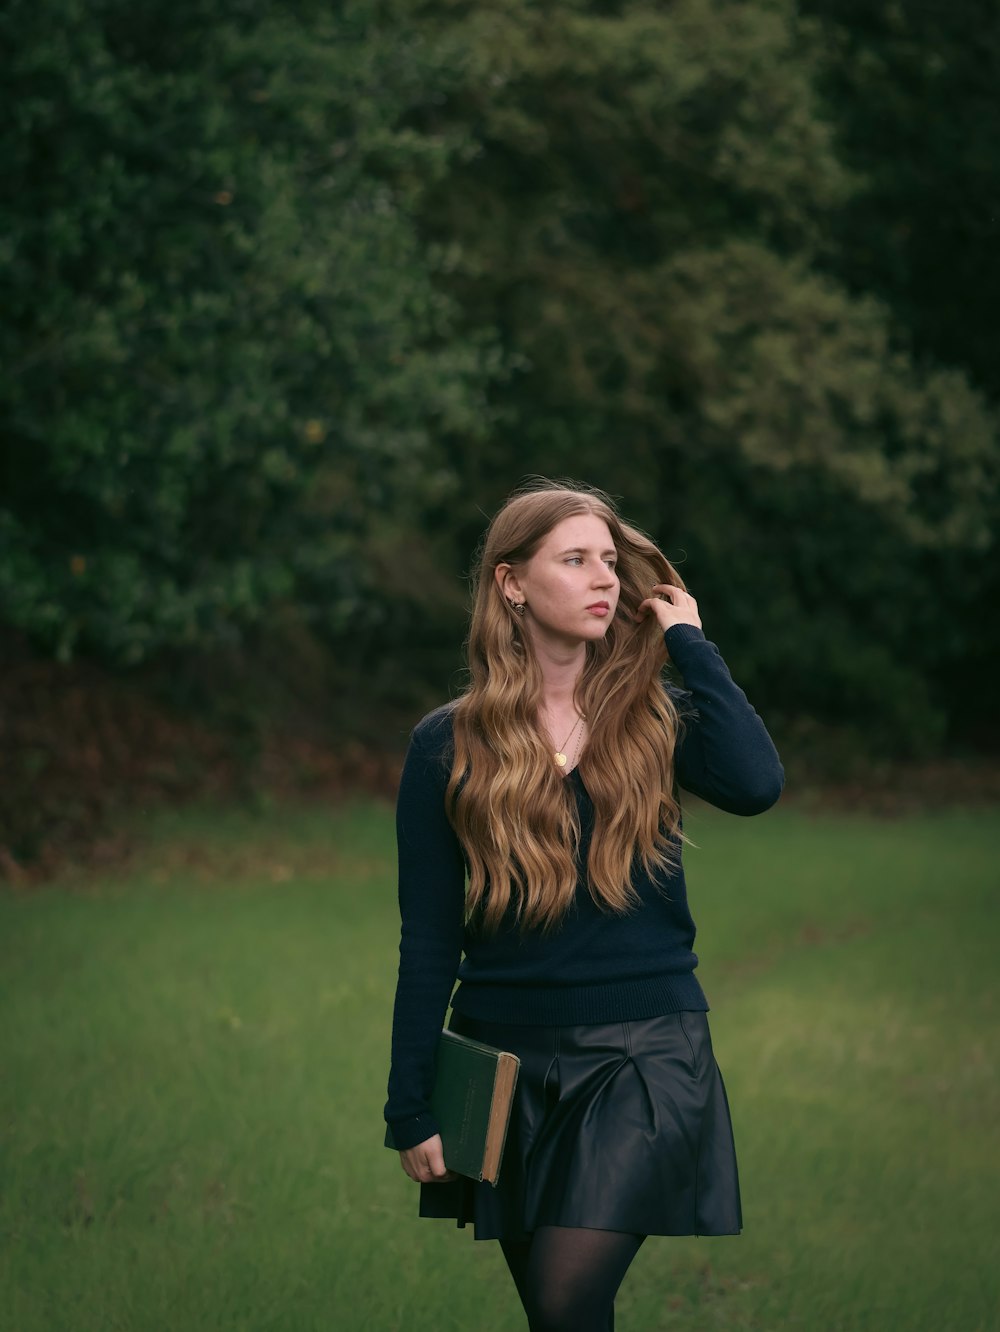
(512, 811)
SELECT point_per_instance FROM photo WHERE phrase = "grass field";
(193, 1057)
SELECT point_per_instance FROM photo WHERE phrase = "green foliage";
(227, 370)
(912, 90)
(294, 294)
(646, 222)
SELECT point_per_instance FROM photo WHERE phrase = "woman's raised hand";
(671, 605)
(425, 1162)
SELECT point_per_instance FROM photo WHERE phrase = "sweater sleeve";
(432, 908)
(725, 754)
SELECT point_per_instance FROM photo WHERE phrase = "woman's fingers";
(425, 1162)
(670, 605)
(672, 592)
(667, 592)
(434, 1163)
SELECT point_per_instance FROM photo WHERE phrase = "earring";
(516, 606)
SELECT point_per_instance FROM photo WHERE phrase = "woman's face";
(569, 584)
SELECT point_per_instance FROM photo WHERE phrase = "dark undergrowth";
(82, 748)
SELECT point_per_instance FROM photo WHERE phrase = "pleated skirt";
(615, 1126)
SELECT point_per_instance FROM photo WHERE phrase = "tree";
(297, 293)
(227, 371)
(646, 222)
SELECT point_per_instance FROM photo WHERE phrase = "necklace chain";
(560, 753)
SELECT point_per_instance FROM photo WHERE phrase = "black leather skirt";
(615, 1126)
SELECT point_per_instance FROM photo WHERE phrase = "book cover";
(471, 1101)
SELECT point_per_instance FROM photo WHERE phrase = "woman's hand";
(425, 1162)
(671, 605)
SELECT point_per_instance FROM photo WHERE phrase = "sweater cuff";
(678, 636)
(411, 1132)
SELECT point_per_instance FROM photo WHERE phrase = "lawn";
(193, 1055)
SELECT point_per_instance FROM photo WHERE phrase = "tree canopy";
(296, 293)
(228, 372)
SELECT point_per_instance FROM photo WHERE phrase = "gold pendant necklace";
(560, 754)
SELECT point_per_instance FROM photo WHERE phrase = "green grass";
(193, 1061)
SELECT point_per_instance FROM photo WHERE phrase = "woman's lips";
(599, 608)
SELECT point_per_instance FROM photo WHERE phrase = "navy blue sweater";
(598, 966)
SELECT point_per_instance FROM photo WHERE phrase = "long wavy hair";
(511, 808)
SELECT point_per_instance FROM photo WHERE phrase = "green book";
(471, 1101)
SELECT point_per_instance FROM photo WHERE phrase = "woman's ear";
(507, 582)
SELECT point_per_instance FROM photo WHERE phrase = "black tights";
(567, 1278)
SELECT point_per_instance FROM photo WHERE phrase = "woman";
(550, 786)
